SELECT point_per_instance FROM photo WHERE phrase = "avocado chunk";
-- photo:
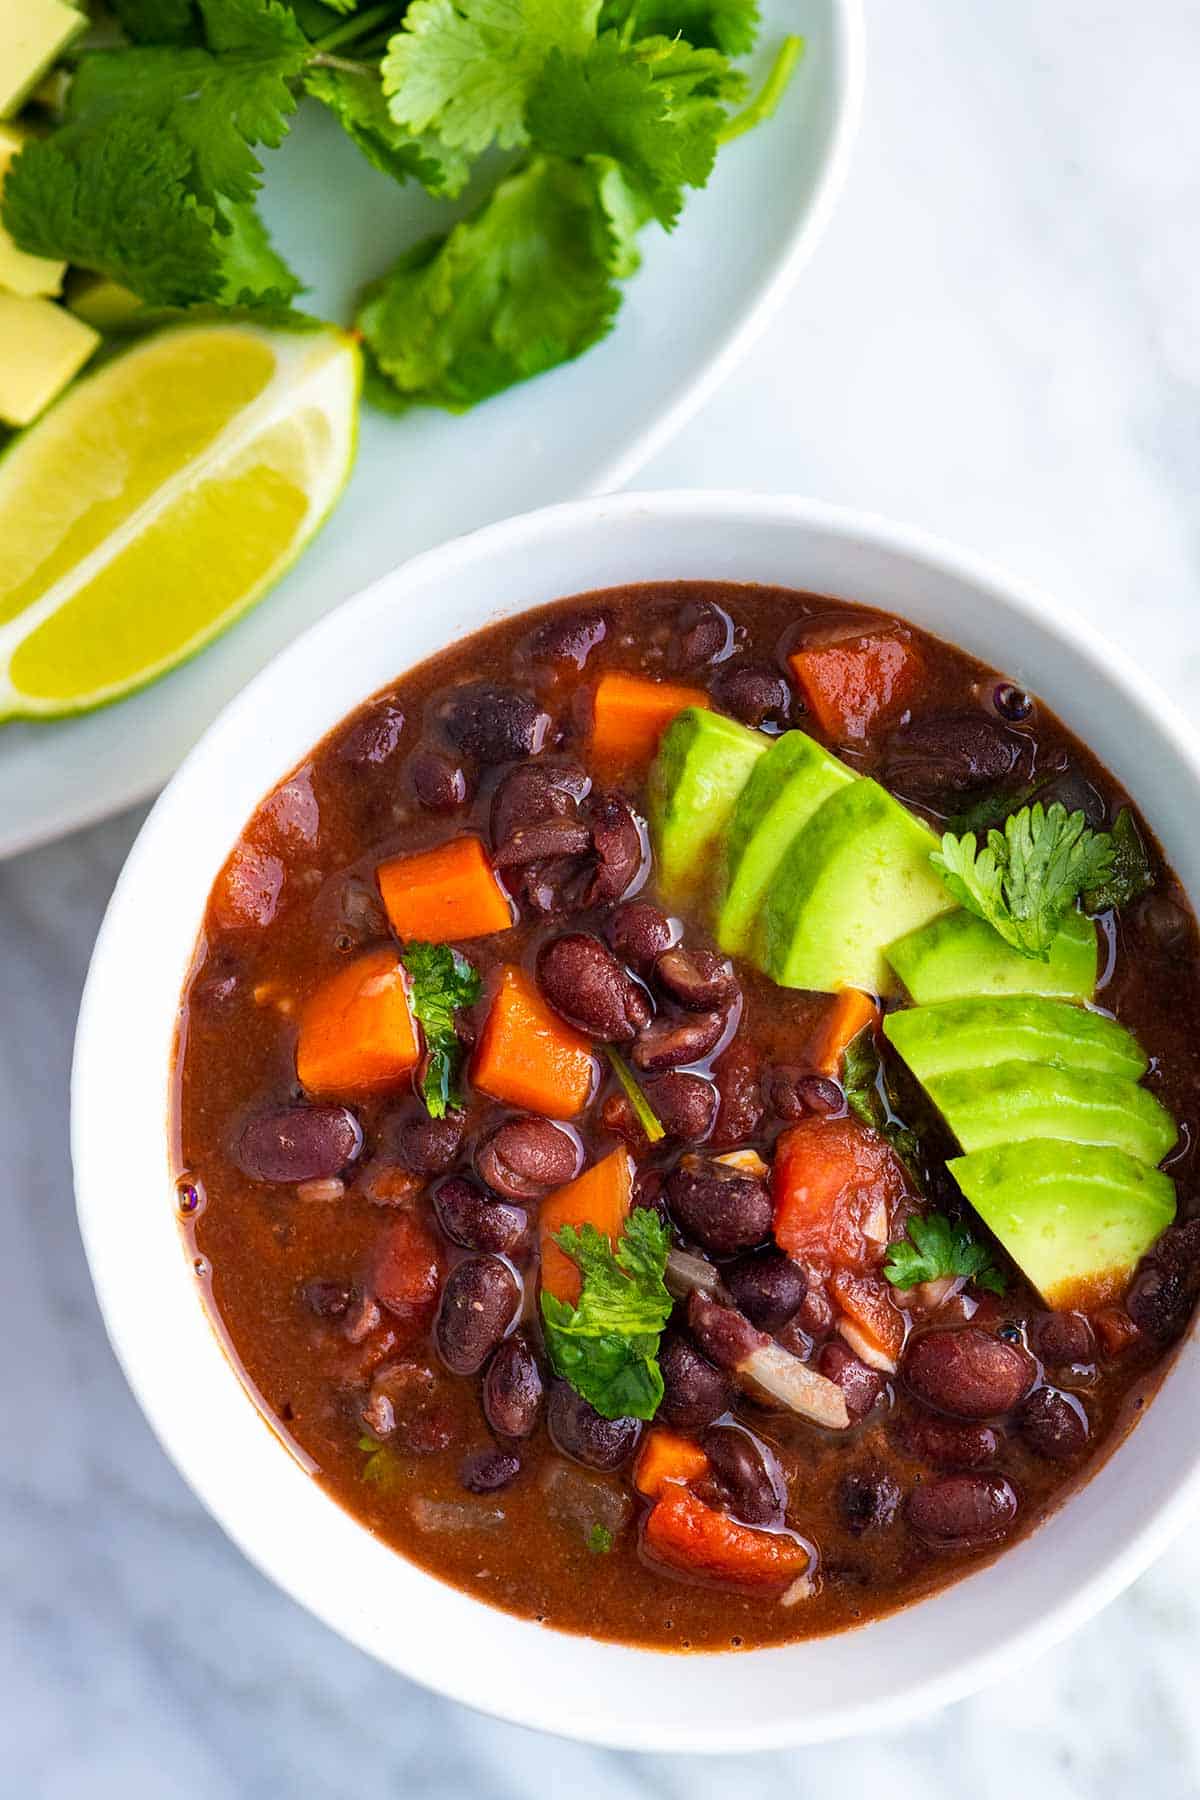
(959, 956)
(21, 273)
(41, 348)
(785, 788)
(1076, 1218)
(1013, 1102)
(856, 877)
(704, 761)
(971, 1034)
(33, 34)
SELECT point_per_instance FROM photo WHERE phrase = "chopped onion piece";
(792, 1382)
(686, 1274)
(803, 1588)
(866, 1347)
(749, 1161)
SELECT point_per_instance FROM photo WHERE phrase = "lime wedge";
(160, 498)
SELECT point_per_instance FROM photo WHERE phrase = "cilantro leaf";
(1132, 872)
(865, 1087)
(626, 210)
(728, 25)
(653, 106)
(382, 1466)
(1028, 877)
(607, 1346)
(646, 1116)
(522, 284)
(253, 272)
(994, 808)
(935, 1246)
(356, 98)
(441, 980)
(463, 68)
(599, 1540)
(159, 21)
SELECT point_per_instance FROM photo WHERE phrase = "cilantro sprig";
(865, 1087)
(599, 1540)
(607, 1345)
(935, 1246)
(1026, 878)
(440, 981)
(645, 1114)
(1132, 871)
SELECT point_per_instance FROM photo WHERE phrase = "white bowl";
(881, 1675)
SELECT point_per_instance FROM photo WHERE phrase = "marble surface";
(999, 340)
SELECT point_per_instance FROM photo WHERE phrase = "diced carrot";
(1115, 1329)
(601, 1197)
(530, 1057)
(630, 714)
(667, 1456)
(356, 1031)
(835, 1184)
(870, 1323)
(695, 1539)
(442, 895)
(853, 683)
(851, 1012)
(406, 1271)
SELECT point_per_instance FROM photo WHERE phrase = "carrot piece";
(667, 1456)
(630, 714)
(851, 683)
(356, 1031)
(683, 1533)
(601, 1197)
(852, 1011)
(869, 1322)
(442, 895)
(835, 1184)
(530, 1057)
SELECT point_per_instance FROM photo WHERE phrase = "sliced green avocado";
(852, 880)
(970, 1034)
(959, 956)
(785, 788)
(704, 760)
(1010, 1103)
(1075, 1217)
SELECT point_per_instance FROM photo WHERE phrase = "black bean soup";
(655, 1289)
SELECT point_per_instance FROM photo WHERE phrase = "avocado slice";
(1014, 1102)
(703, 762)
(785, 788)
(852, 880)
(960, 956)
(1076, 1218)
(971, 1034)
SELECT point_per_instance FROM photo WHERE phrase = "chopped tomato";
(835, 1185)
(686, 1535)
(870, 1323)
(1115, 1329)
(854, 683)
(406, 1273)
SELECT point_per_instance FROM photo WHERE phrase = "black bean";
(1062, 1337)
(639, 933)
(619, 847)
(373, 736)
(298, 1143)
(483, 1471)
(740, 1112)
(1163, 1290)
(1164, 923)
(968, 1373)
(493, 724)
(725, 1335)
(697, 979)
(668, 1043)
(480, 1300)
(512, 1389)
(722, 1208)
(581, 1432)
(768, 1288)
(946, 1445)
(953, 753)
(957, 1511)
(794, 1095)
(754, 693)
(426, 1146)
(1011, 702)
(861, 1386)
(570, 637)
(525, 1156)
(440, 784)
(538, 843)
(694, 1392)
(475, 1220)
(327, 1299)
(419, 1402)
(584, 982)
(868, 1500)
(1073, 790)
(702, 634)
(686, 1105)
(534, 794)
(753, 1490)
(1054, 1425)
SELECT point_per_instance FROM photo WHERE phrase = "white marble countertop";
(999, 339)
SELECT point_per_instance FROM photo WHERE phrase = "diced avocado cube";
(21, 273)
(704, 760)
(1076, 1218)
(41, 348)
(1010, 1103)
(33, 34)
(972, 1034)
(960, 956)
(785, 788)
(101, 303)
(857, 876)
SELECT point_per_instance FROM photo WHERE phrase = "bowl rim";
(1161, 1519)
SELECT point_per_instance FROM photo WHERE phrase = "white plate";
(689, 315)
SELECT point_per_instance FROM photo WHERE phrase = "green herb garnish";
(599, 1540)
(441, 980)
(1132, 872)
(864, 1086)
(607, 1345)
(1028, 877)
(647, 1118)
(382, 1466)
(995, 807)
(936, 1246)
